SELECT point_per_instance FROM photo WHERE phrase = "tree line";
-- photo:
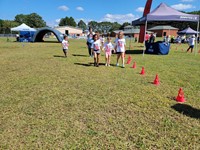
(36, 21)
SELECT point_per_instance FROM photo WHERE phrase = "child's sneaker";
(109, 65)
(117, 64)
(106, 64)
(123, 66)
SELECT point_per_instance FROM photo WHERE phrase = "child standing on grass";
(120, 48)
(191, 43)
(65, 45)
(108, 47)
(96, 48)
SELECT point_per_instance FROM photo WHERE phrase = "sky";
(87, 10)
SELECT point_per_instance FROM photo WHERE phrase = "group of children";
(96, 45)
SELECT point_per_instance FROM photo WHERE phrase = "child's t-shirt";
(96, 45)
(108, 47)
(192, 41)
(120, 43)
(65, 44)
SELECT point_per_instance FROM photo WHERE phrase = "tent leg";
(196, 39)
(144, 37)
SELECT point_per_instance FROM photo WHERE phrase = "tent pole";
(197, 38)
(144, 37)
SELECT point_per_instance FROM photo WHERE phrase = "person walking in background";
(152, 38)
(191, 43)
(147, 36)
(90, 41)
(96, 49)
(120, 48)
(108, 47)
(65, 45)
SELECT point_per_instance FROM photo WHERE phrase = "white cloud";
(63, 7)
(182, 6)
(140, 9)
(79, 8)
(57, 20)
(119, 18)
(187, 0)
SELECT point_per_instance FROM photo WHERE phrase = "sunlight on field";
(51, 102)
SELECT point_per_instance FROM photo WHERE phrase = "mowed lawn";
(51, 102)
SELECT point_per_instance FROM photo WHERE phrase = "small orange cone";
(134, 65)
(180, 98)
(156, 81)
(143, 71)
(129, 60)
(199, 51)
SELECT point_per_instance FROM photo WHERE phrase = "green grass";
(50, 102)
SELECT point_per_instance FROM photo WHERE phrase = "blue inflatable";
(159, 48)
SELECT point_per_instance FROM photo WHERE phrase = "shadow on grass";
(45, 42)
(80, 55)
(86, 65)
(59, 56)
(134, 51)
(91, 64)
(187, 110)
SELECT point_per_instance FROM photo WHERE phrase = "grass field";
(51, 102)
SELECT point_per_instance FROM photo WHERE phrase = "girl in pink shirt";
(108, 47)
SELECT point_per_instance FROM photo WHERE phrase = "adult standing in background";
(90, 41)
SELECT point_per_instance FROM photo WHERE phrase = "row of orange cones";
(180, 98)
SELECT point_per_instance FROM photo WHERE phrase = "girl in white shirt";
(108, 47)
(120, 48)
(96, 49)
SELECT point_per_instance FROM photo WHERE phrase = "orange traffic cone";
(129, 60)
(180, 98)
(134, 65)
(156, 81)
(143, 71)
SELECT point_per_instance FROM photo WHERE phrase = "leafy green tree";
(124, 24)
(72, 22)
(33, 20)
(21, 18)
(93, 25)
(67, 21)
(82, 25)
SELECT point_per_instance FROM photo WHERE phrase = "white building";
(69, 30)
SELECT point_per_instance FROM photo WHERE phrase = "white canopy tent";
(23, 27)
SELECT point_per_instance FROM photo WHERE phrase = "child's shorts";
(65, 50)
(108, 53)
(191, 46)
(97, 52)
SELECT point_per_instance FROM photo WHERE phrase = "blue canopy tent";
(166, 13)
